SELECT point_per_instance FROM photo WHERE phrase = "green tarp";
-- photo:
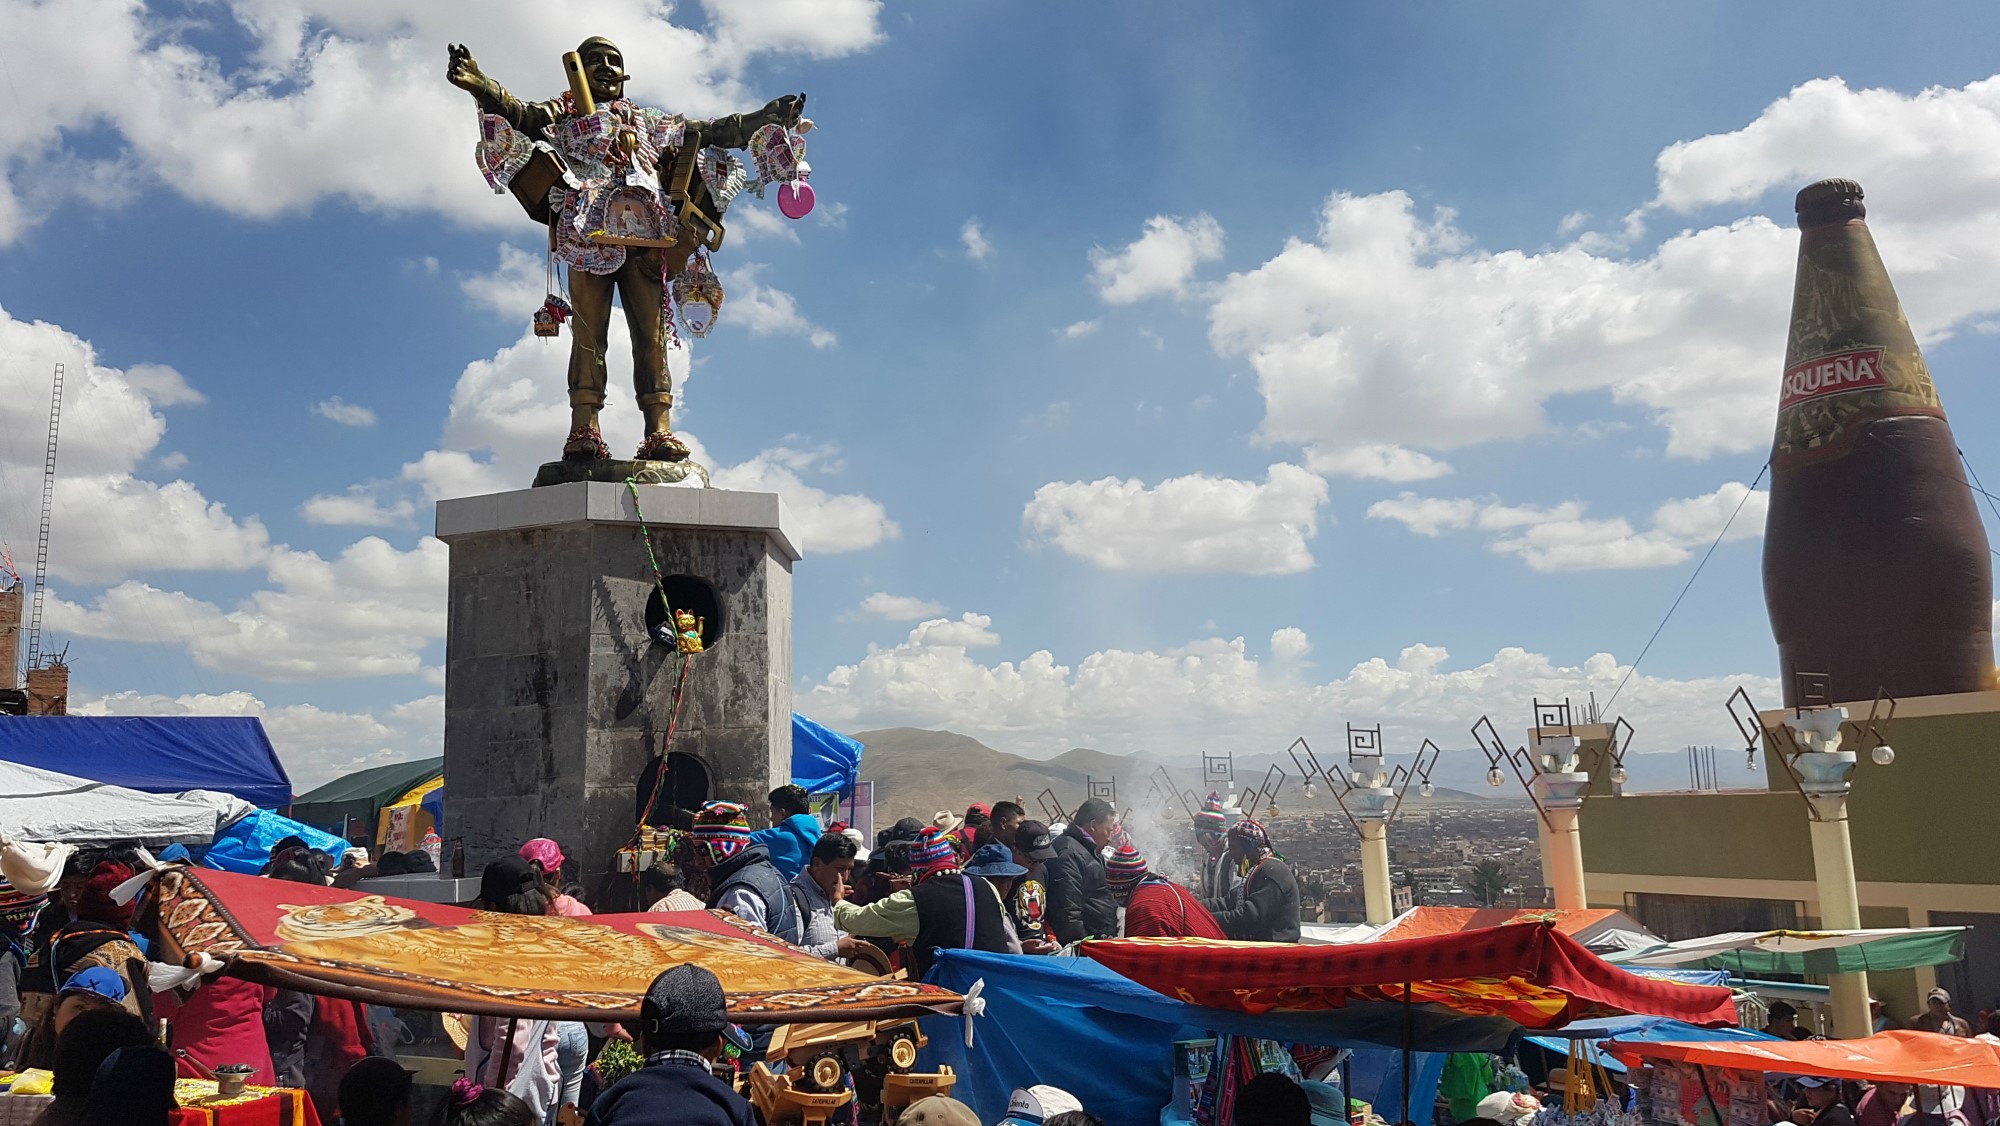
(1762, 953)
(360, 796)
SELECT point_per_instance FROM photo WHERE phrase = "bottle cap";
(1829, 201)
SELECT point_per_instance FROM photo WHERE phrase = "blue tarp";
(1656, 1029)
(1074, 1024)
(823, 760)
(246, 846)
(1685, 977)
(156, 754)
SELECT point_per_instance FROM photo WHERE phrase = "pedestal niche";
(558, 689)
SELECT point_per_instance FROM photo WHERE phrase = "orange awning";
(1896, 1057)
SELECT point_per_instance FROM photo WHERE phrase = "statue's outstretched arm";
(733, 132)
(463, 72)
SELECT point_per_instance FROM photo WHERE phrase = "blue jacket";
(670, 1093)
(790, 842)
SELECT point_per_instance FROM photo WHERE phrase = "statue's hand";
(784, 110)
(461, 71)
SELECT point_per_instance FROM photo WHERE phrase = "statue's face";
(604, 67)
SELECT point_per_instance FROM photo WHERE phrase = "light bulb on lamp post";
(1310, 791)
(1882, 755)
(1427, 790)
(1494, 777)
(1618, 775)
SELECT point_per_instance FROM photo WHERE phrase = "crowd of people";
(78, 997)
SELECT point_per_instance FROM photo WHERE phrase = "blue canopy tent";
(1075, 1024)
(823, 760)
(1656, 1029)
(155, 754)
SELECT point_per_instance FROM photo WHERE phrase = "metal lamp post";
(1370, 797)
(1556, 781)
(1809, 744)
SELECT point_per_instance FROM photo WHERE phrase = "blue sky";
(1112, 332)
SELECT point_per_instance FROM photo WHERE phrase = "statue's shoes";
(585, 443)
(662, 446)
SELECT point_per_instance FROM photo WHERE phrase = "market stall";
(1531, 974)
(1763, 953)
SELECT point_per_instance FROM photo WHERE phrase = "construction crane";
(42, 539)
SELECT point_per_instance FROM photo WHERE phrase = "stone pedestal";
(557, 693)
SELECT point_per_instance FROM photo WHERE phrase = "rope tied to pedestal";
(680, 678)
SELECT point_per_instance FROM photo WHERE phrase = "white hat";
(32, 867)
(860, 842)
(1032, 1106)
(945, 819)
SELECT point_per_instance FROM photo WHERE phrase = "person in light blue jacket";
(793, 831)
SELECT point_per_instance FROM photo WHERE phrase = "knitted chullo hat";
(18, 911)
(722, 828)
(1253, 832)
(1125, 869)
(1210, 818)
(932, 853)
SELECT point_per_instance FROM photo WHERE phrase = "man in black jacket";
(1267, 908)
(1080, 905)
(684, 1028)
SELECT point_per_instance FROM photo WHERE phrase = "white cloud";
(372, 611)
(1077, 330)
(970, 631)
(358, 507)
(340, 100)
(1210, 691)
(750, 221)
(1192, 523)
(887, 607)
(1160, 263)
(974, 239)
(1381, 463)
(315, 745)
(1561, 539)
(1290, 643)
(1389, 328)
(513, 289)
(828, 523)
(345, 413)
(108, 522)
(767, 311)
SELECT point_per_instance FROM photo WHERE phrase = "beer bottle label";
(1851, 357)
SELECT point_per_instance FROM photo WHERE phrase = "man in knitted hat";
(741, 878)
(946, 909)
(1155, 906)
(1211, 833)
(1267, 907)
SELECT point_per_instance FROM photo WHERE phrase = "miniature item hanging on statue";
(779, 155)
(550, 318)
(698, 293)
(687, 631)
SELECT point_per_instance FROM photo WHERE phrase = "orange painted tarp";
(1534, 975)
(1424, 921)
(385, 951)
(1895, 1057)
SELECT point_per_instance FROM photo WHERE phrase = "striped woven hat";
(18, 911)
(1253, 832)
(722, 828)
(1125, 869)
(1210, 818)
(933, 853)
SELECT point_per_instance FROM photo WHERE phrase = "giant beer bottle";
(1876, 569)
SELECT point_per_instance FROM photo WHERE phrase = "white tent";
(41, 805)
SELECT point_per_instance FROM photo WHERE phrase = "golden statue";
(631, 194)
(687, 631)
